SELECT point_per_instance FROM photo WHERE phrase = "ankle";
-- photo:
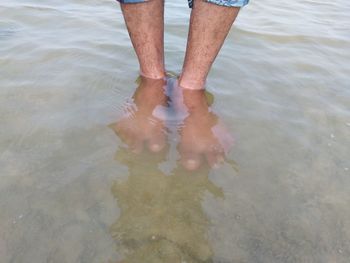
(191, 83)
(158, 73)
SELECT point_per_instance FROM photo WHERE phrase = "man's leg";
(145, 23)
(203, 137)
(209, 26)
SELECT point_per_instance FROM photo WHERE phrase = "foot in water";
(204, 138)
(139, 127)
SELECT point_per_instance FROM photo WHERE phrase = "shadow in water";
(162, 219)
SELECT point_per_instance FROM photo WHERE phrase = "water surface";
(71, 192)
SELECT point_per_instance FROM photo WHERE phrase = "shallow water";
(71, 192)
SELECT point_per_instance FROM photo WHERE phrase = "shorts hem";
(229, 3)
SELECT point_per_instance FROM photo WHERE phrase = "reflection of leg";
(145, 23)
(209, 26)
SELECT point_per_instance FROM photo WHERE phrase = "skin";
(200, 143)
(145, 24)
(209, 26)
(139, 128)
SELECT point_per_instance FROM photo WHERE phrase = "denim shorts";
(232, 3)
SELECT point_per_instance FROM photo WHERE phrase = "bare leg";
(204, 137)
(209, 26)
(145, 23)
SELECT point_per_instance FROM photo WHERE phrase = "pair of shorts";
(230, 3)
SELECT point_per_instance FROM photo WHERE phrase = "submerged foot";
(204, 138)
(139, 128)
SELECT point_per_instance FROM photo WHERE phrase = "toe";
(157, 141)
(190, 160)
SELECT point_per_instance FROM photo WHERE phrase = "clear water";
(71, 192)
